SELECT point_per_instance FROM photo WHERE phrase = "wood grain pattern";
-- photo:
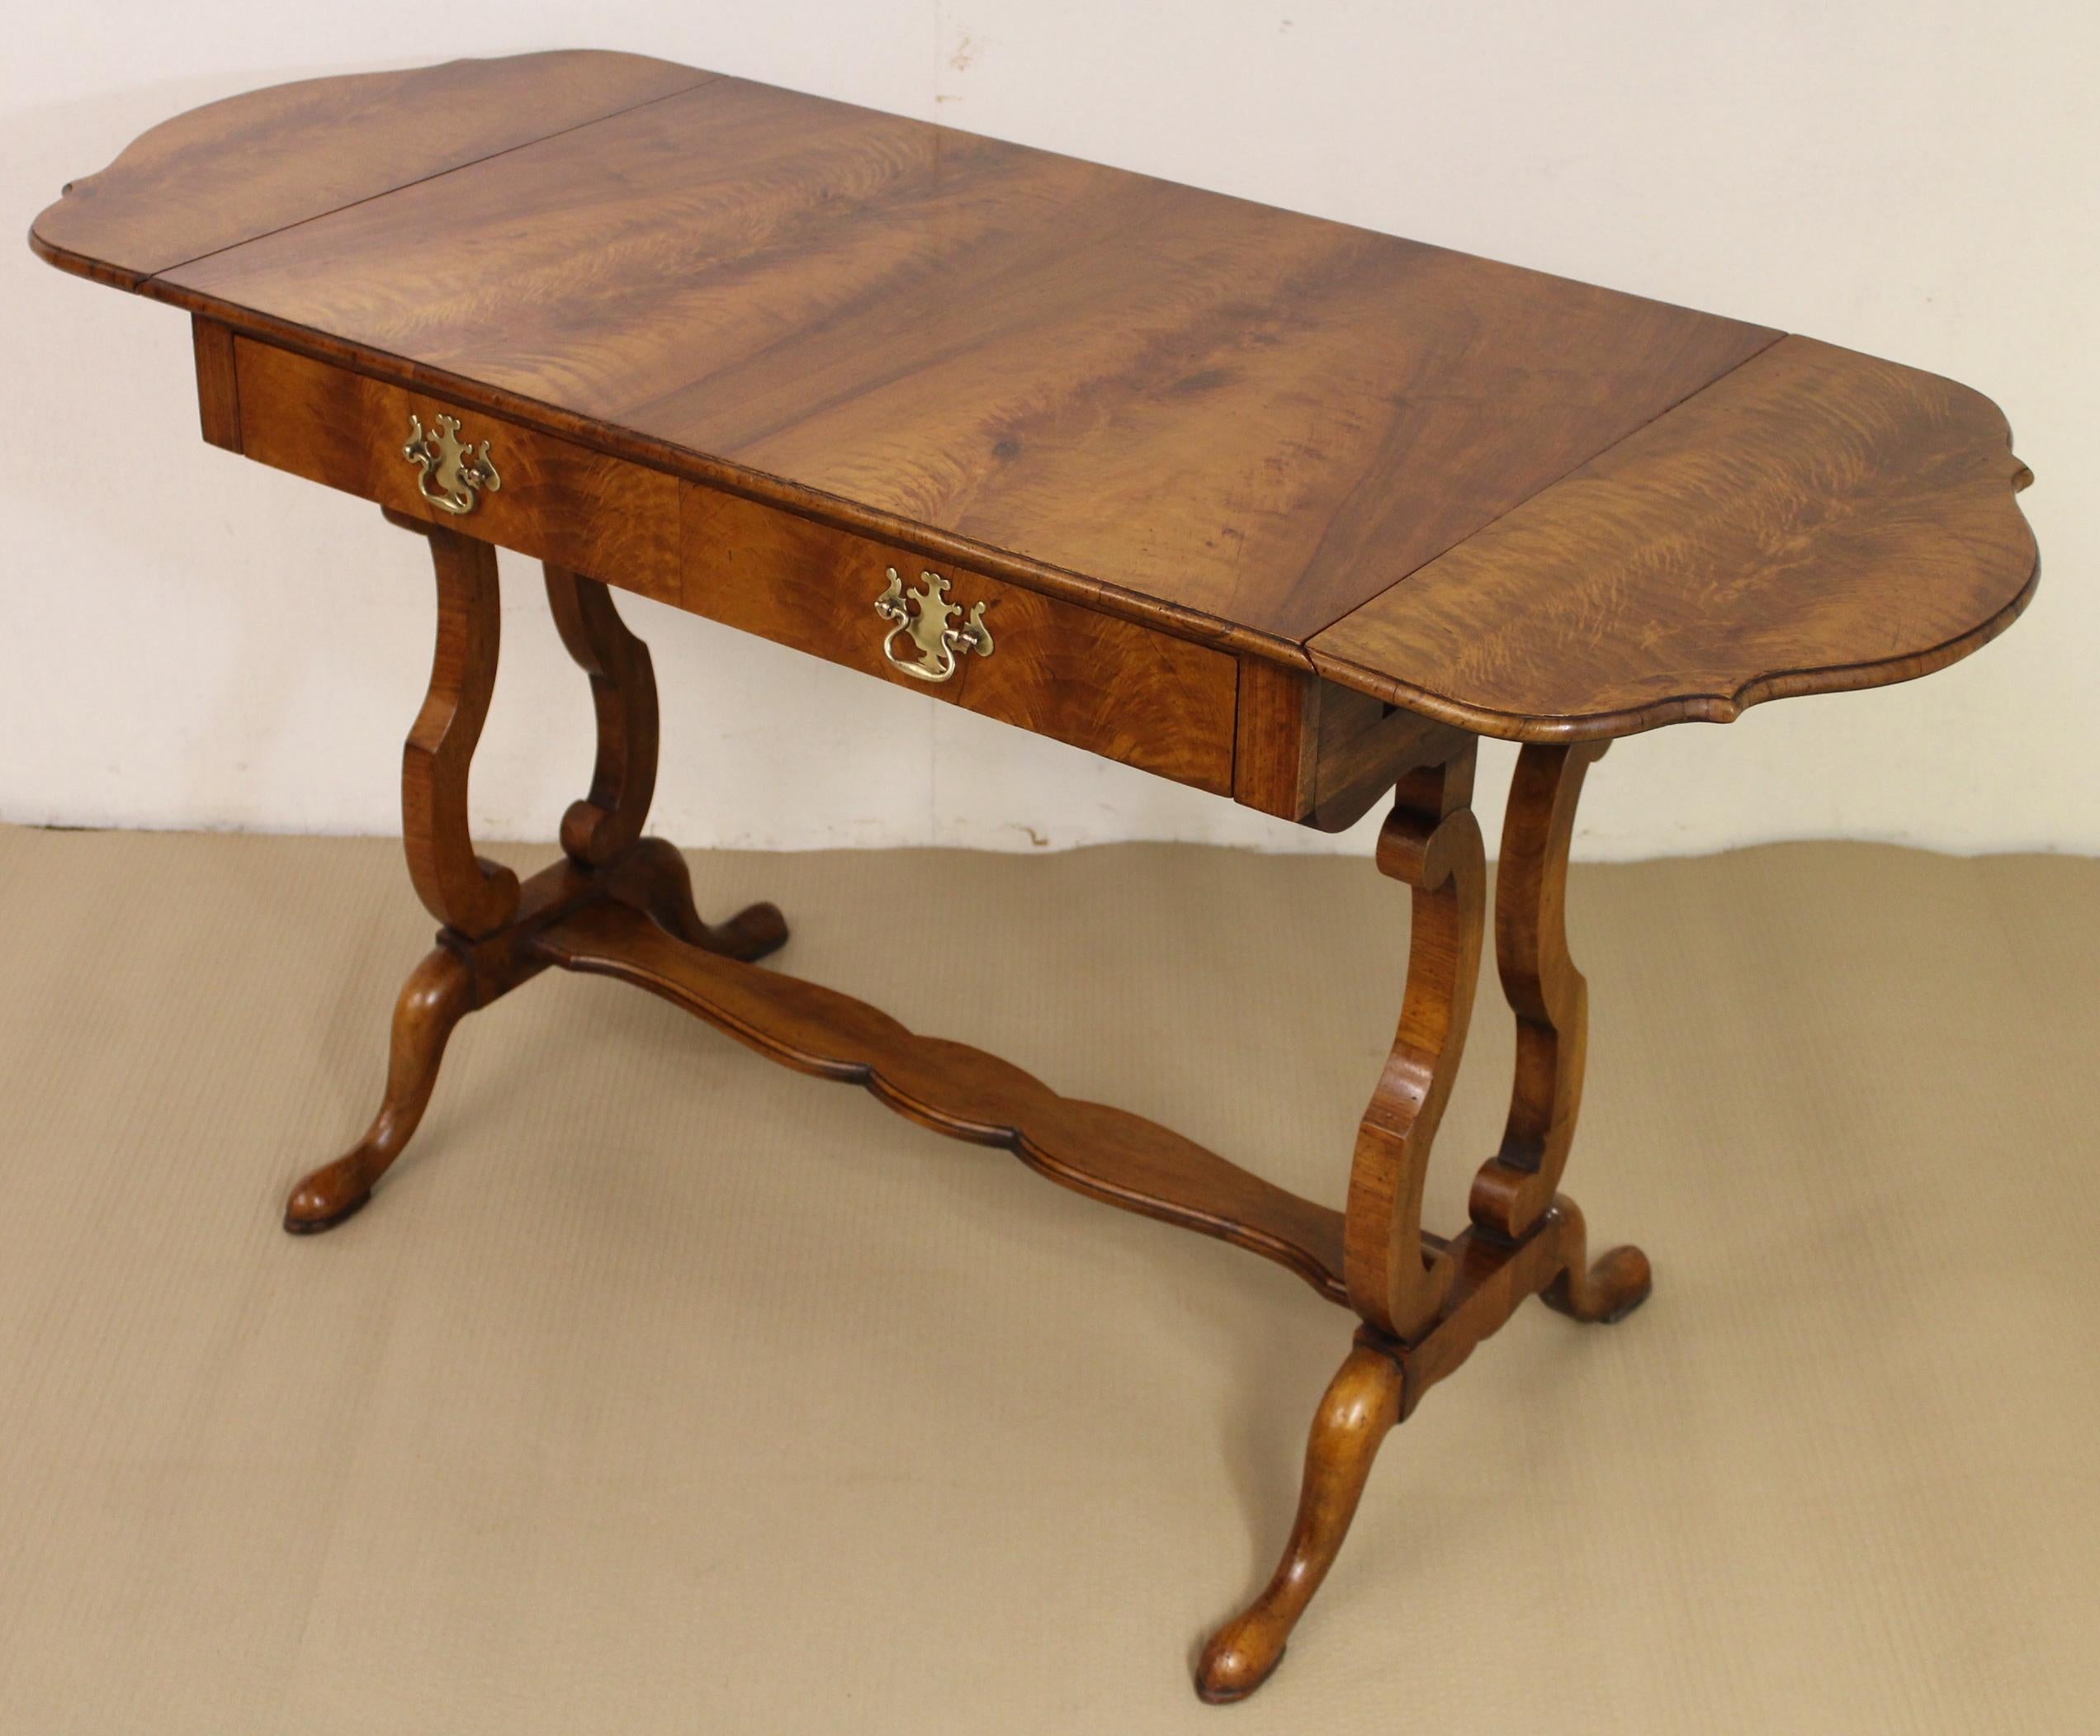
(482, 952)
(1258, 416)
(1359, 1409)
(1325, 755)
(218, 384)
(1107, 1153)
(464, 974)
(1818, 520)
(601, 827)
(1118, 690)
(1426, 1304)
(559, 502)
(440, 992)
(1270, 506)
(462, 889)
(1519, 505)
(1112, 686)
(1109, 686)
(1277, 738)
(229, 171)
(1378, 1385)
(1430, 843)
(1551, 999)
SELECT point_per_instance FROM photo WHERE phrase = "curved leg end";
(329, 1196)
(1362, 1404)
(1241, 1656)
(751, 934)
(661, 885)
(439, 994)
(1620, 1281)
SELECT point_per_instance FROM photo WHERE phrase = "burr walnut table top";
(1524, 505)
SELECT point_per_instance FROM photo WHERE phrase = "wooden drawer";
(1058, 669)
(1108, 685)
(557, 501)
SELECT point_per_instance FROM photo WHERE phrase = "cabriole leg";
(1362, 1404)
(436, 997)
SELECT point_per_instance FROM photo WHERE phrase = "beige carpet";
(665, 1390)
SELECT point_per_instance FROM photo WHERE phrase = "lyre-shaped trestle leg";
(1425, 1304)
(484, 910)
(470, 896)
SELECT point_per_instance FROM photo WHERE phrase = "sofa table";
(1286, 510)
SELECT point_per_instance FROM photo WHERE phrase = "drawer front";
(555, 501)
(1108, 685)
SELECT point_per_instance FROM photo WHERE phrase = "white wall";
(191, 641)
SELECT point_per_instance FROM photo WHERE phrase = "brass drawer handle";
(941, 646)
(457, 472)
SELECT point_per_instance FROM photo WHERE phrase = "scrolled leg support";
(1601, 1293)
(662, 885)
